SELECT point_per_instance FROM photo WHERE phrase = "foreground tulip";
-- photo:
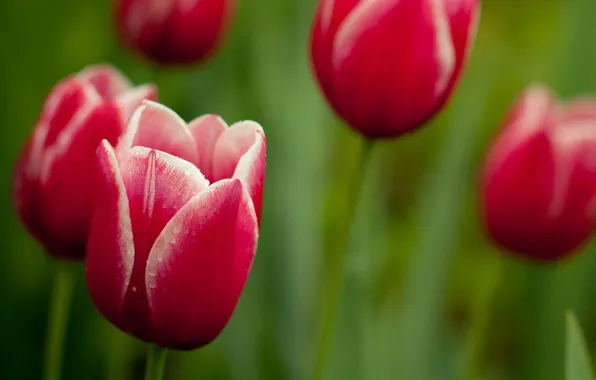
(540, 177)
(173, 31)
(175, 226)
(54, 173)
(387, 67)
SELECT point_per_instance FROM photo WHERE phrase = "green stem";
(57, 321)
(156, 362)
(481, 313)
(339, 258)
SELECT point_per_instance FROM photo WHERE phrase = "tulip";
(175, 227)
(173, 31)
(53, 178)
(387, 67)
(540, 177)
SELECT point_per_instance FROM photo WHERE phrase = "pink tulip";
(387, 67)
(173, 31)
(540, 177)
(52, 186)
(176, 225)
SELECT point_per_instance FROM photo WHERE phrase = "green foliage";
(578, 365)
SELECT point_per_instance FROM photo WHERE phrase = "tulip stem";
(156, 362)
(57, 320)
(339, 254)
(481, 313)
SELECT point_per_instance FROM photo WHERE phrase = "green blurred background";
(426, 296)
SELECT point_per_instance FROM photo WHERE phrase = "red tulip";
(387, 67)
(540, 177)
(54, 173)
(173, 31)
(175, 227)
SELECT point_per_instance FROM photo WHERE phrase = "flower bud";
(387, 67)
(53, 177)
(175, 226)
(540, 177)
(173, 31)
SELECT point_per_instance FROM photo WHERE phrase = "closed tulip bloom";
(176, 224)
(173, 31)
(53, 177)
(387, 67)
(540, 177)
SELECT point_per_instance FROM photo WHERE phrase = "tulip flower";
(540, 177)
(175, 227)
(387, 67)
(173, 31)
(53, 179)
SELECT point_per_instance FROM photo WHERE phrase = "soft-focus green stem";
(481, 313)
(156, 362)
(57, 320)
(171, 85)
(339, 254)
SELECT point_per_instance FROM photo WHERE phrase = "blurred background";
(426, 296)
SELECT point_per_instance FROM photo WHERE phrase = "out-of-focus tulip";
(173, 31)
(53, 179)
(175, 227)
(387, 67)
(540, 177)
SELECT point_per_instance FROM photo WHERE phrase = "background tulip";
(173, 31)
(52, 185)
(170, 248)
(387, 67)
(540, 177)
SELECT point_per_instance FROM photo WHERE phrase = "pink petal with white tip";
(130, 100)
(158, 185)
(67, 175)
(107, 80)
(66, 107)
(532, 115)
(199, 266)
(206, 130)
(110, 248)
(158, 127)
(251, 171)
(385, 84)
(231, 146)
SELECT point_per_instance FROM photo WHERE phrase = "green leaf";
(578, 364)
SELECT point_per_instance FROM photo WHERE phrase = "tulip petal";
(110, 248)
(379, 77)
(531, 115)
(107, 80)
(130, 100)
(231, 146)
(199, 266)
(463, 18)
(206, 130)
(158, 127)
(251, 171)
(66, 178)
(140, 20)
(580, 108)
(520, 180)
(186, 42)
(26, 185)
(574, 140)
(330, 15)
(158, 185)
(66, 107)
